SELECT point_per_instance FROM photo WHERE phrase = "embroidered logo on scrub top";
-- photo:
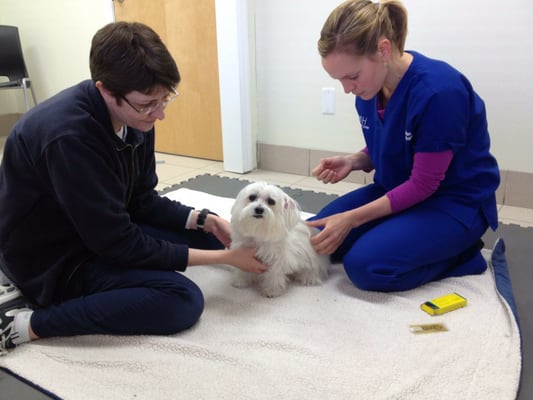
(363, 121)
(408, 136)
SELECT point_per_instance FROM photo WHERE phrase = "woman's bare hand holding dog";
(220, 228)
(242, 258)
(336, 227)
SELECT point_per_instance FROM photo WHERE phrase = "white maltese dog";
(264, 216)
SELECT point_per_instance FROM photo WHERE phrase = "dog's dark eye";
(271, 202)
(252, 197)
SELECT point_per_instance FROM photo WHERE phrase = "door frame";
(235, 41)
(236, 64)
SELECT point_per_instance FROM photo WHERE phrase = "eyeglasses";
(145, 110)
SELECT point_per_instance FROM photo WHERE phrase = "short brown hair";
(356, 26)
(127, 56)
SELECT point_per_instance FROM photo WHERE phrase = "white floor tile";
(181, 161)
(276, 178)
(167, 172)
(516, 215)
(339, 188)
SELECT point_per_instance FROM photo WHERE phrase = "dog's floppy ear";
(237, 204)
(291, 210)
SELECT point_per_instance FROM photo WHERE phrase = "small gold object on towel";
(427, 328)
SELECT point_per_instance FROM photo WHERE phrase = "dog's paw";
(241, 282)
(308, 279)
(272, 291)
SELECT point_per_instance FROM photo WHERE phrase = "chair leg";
(26, 83)
(33, 94)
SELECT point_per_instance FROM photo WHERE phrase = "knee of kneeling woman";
(360, 278)
(185, 311)
(367, 277)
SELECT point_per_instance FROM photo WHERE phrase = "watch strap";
(200, 222)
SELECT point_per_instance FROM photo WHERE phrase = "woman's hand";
(335, 228)
(244, 259)
(219, 227)
(332, 169)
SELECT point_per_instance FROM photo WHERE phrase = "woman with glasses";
(84, 236)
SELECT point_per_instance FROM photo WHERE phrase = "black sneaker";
(8, 292)
(8, 312)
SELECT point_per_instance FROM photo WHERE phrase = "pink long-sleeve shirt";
(429, 169)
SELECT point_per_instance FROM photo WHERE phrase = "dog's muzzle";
(258, 212)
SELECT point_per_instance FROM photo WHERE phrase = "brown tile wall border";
(516, 188)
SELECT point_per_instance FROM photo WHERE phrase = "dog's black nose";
(259, 210)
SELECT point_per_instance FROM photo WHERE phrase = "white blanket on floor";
(328, 342)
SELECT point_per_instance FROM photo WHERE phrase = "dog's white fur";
(264, 216)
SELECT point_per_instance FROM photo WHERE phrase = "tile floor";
(173, 169)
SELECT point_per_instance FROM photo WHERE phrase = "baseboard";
(516, 188)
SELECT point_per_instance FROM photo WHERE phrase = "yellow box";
(444, 304)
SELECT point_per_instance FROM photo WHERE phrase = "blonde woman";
(427, 142)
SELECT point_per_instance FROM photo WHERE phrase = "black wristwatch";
(200, 222)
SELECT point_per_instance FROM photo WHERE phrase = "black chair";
(12, 63)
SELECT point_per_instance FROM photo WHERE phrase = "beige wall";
(56, 38)
(482, 39)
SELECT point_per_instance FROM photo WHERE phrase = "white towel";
(326, 342)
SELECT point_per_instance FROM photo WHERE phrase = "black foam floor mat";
(309, 201)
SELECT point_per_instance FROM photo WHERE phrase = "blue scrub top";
(433, 109)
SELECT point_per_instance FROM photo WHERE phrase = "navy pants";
(408, 249)
(104, 299)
